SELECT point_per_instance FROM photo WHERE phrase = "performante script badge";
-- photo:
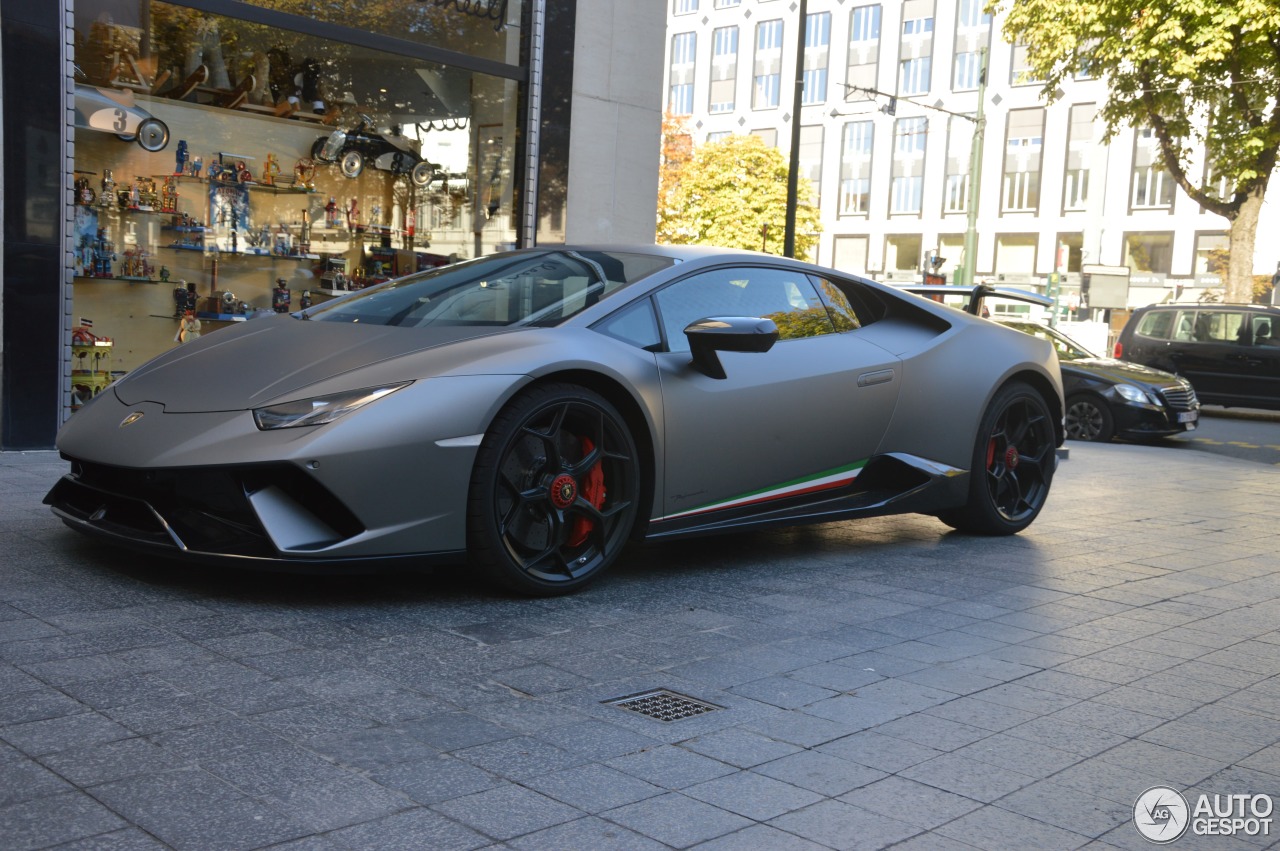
(131, 419)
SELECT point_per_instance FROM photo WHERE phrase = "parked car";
(535, 410)
(1109, 398)
(1229, 352)
(363, 144)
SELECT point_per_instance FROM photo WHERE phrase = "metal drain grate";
(663, 705)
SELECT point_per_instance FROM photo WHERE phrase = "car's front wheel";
(554, 492)
(422, 173)
(1013, 464)
(1089, 419)
(153, 135)
(351, 164)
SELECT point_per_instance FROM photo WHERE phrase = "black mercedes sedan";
(1108, 398)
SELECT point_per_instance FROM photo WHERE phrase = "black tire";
(1088, 418)
(1013, 463)
(533, 522)
(421, 173)
(351, 163)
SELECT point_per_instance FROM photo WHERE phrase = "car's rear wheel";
(1089, 419)
(153, 135)
(554, 491)
(1013, 464)
(317, 148)
(422, 173)
(351, 164)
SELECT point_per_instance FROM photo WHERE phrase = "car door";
(1263, 360)
(799, 418)
(1210, 347)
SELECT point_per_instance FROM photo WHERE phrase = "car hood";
(254, 363)
(1120, 371)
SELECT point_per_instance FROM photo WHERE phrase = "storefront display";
(264, 169)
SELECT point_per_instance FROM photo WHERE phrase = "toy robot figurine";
(180, 157)
(270, 169)
(280, 297)
(107, 197)
(331, 213)
(305, 300)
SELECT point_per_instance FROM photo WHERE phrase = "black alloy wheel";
(554, 492)
(1089, 419)
(1013, 465)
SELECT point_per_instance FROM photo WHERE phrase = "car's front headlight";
(319, 410)
(1133, 394)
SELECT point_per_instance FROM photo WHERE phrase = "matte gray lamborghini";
(531, 412)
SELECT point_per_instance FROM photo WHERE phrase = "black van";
(1229, 352)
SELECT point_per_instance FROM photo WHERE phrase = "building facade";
(890, 93)
(172, 168)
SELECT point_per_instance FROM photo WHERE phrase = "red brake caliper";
(591, 488)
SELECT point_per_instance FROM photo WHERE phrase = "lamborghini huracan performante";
(529, 413)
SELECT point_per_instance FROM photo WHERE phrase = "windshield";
(1068, 349)
(536, 289)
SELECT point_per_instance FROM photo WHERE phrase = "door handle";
(878, 377)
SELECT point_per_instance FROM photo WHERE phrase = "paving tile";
(586, 833)
(677, 820)
(597, 740)
(128, 839)
(738, 747)
(435, 779)
(57, 734)
(910, 801)
(934, 731)
(507, 811)
(1069, 808)
(519, 758)
(760, 837)
(878, 750)
(1019, 754)
(968, 777)
(371, 749)
(823, 773)
(454, 730)
(93, 764)
(593, 788)
(24, 779)
(1002, 828)
(836, 824)
(53, 819)
(670, 767)
(409, 831)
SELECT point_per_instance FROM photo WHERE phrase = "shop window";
(1016, 253)
(1213, 251)
(1149, 252)
(903, 253)
(260, 169)
(849, 254)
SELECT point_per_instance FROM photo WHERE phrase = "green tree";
(728, 192)
(1202, 74)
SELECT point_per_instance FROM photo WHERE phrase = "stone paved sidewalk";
(881, 683)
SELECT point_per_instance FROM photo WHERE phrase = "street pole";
(793, 169)
(970, 265)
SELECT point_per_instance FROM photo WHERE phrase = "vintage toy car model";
(531, 412)
(116, 111)
(353, 149)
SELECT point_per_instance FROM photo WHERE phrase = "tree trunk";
(1244, 230)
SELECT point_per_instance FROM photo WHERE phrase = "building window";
(724, 69)
(684, 49)
(817, 46)
(1075, 182)
(903, 252)
(973, 34)
(684, 7)
(907, 188)
(864, 49)
(1016, 254)
(1024, 143)
(1152, 187)
(768, 65)
(1215, 186)
(726, 4)
(1070, 252)
(718, 135)
(768, 135)
(811, 158)
(966, 70)
(915, 76)
(1020, 73)
(849, 254)
(917, 47)
(955, 190)
(1211, 253)
(855, 167)
(1149, 252)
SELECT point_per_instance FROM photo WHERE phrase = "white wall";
(617, 122)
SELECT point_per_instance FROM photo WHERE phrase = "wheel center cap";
(564, 490)
(1011, 457)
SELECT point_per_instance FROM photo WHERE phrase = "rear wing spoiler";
(977, 293)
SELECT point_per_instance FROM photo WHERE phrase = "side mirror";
(727, 334)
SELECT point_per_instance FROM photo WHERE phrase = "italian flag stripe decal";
(826, 480)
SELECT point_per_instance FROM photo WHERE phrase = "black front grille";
(1180, 398)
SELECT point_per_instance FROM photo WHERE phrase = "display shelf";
(119, 278)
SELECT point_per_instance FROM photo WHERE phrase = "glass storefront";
(227, 166)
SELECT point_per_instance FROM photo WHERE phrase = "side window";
(788, 298)
(1264, 331)
(843, 313)
(1220, 326)
(634, 324)
(1184, 329)
(1157, 324)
